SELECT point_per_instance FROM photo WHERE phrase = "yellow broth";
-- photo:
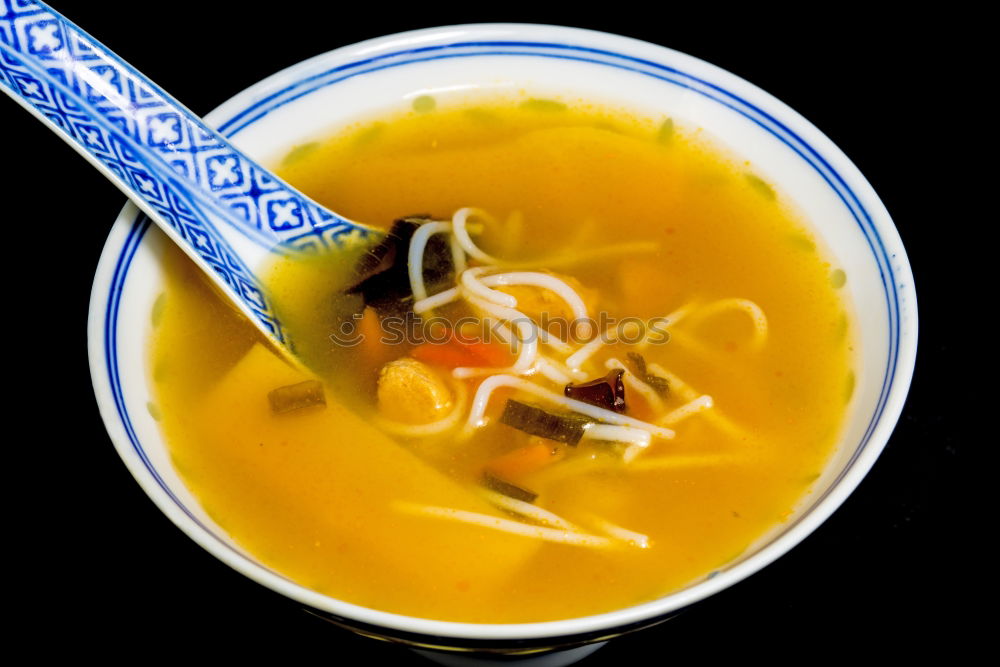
(311, 494)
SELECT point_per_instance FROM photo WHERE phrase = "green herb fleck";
(840, 328)
(156, 315)
(802, 242)
(659, 385)
(638, 363)
(761, 186)
(666, 132)
(482, 116)
(154, 411)
(849, 387)
(369, 134)
(539, 104)
(838, 278)
(299, 152)
(424, 104)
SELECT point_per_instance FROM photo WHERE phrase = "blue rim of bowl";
(468, 49)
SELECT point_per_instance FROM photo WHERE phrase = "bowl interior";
(305, 102)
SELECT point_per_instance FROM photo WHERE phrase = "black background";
(880, 574)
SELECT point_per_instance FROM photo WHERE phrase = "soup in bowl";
(636, 330)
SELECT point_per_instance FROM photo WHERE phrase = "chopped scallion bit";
(296, 396)
(638, 363)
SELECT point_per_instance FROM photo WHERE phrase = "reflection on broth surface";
(458, 465)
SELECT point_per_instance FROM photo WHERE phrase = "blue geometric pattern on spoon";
(214, 201)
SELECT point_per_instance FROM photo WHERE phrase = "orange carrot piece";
(372, 348)
(492, 354)
(445, 354)
(520, 462)
(456, 352)
(370, 326)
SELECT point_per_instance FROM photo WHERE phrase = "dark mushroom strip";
(607, 392)
(536, 421)
(514, 491)
(383, 273)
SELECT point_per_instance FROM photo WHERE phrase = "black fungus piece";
(514, 491)
(607, 392)
(383, 276)
(638, 363)
(536, 421)
(296, 396)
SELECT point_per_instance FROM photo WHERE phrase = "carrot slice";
(455, 351)
(526, 460)
(491, 354)
(372, 348)
(444, 354)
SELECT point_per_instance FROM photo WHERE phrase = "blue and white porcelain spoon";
(225, 210)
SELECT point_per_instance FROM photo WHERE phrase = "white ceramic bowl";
(307, 100)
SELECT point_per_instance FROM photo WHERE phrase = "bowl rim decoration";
(596, 49)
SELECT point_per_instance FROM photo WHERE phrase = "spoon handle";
(223, 208)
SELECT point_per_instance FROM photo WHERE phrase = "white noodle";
(549, 370)
(471, 282)
(505, 335)
(688, 393)
(436, 300)
(559, 287)
(580, 357)
(457, 254)
(663, 323)
(703, 402)
(637, 385)
(491, 383)
(631, 452)
(614, 530)
(461, 234)
(415, 257)
(637, 439)
(575, 374)
(434, 428)
(724, 424)
(554, 342)
(613, 433)
(528, 510)
(709, 355)
(545, 281)
(752, 310)
(513, 232)
(527, 334)
(459, 222)
(508, 526)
